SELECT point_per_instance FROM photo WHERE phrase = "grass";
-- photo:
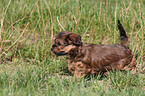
(26, 34)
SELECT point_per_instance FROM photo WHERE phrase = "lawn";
(27, 29)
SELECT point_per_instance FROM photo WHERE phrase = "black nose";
(54, 46)
(51, 49)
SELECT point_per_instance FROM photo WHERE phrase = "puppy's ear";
(74, 39)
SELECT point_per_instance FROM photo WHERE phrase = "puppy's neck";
(75, 53)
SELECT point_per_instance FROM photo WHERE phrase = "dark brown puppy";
(93, 58)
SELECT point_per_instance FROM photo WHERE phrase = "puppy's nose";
(51, 49)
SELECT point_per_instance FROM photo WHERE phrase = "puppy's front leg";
(79, 70)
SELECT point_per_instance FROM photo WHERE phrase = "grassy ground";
(26, 34)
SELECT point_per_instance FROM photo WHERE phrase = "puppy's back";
(106, 57)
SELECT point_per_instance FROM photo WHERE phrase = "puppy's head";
(64, 42)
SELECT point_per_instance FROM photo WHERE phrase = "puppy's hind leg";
(131, 66)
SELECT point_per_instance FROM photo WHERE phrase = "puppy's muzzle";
(57, 51)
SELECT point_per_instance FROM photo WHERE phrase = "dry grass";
(26, 35)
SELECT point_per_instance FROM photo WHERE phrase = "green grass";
(26, 34)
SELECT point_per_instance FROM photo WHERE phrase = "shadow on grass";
(99, 76)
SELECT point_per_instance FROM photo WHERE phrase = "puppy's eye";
(58, 44)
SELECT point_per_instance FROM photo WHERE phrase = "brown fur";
(93, 58)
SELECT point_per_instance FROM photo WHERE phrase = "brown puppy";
(93, 58)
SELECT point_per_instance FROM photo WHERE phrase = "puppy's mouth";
(57, 52)
(61, 53)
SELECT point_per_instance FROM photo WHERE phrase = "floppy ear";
(74, 39)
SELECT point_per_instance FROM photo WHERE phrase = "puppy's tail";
(123, 37)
